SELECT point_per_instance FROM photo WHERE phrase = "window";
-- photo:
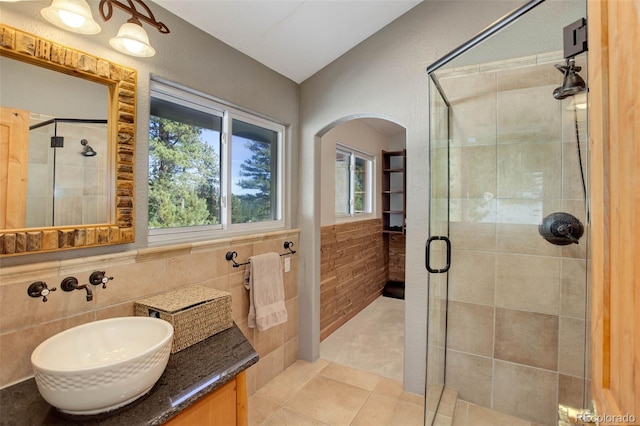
(353, 181)
(212, 168)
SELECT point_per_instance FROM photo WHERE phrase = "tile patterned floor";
(324, 393)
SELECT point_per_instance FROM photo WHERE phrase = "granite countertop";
(190, 374)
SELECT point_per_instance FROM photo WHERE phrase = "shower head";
(572, 83)
(87, 151)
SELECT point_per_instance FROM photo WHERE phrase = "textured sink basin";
(102, 365)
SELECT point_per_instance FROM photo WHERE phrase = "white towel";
(263, 279)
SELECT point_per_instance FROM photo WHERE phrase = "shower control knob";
(98, 277)
(39, 289)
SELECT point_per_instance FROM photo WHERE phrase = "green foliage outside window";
(184, 176)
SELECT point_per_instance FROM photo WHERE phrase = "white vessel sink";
(102, 365)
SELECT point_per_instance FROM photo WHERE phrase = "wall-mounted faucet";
(39, 289)
(99, 277)
(71, 283)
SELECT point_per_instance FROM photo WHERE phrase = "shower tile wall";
(516, 313)
(81, 182)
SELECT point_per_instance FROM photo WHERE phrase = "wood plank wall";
(354, 268)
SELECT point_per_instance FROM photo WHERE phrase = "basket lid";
(179, 300)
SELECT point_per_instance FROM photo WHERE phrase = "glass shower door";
(437, 251)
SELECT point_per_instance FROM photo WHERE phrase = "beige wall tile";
(435, 365)
(482, 416)
(529, 115)
(463, 86)
(471, 376)
(269, 367)
(251, 379)
(521, 211)
(474, 210)
(472, 276)
(576, 208)
(137, 275)
(524, 239)
(470, 328)
(471, 171)
(16, 347)
(571, 391)
(469, 235)
(474, 120)
(460, 415)
(525, 392)
(527, 338)
(529, 283)
(571, 357)
(126, 309)
(525, 77)
(571, 177)
(573, 290)
(290, 352)
(291, 326)
(269, 340)
(18, 310)
(437, 322)
(530, 170)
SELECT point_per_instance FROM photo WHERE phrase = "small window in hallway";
(353, 181)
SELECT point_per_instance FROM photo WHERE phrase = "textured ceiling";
(295, 38)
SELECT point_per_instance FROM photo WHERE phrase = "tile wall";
(25, 321)
(516, 311)
(81, 183)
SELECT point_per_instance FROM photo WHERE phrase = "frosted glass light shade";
(71, 15)
(132, 40)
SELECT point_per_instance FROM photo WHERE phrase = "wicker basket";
(195, 312)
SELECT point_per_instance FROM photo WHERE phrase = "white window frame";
(193, 99)
(370, 181)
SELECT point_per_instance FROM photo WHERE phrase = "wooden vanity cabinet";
(226, 406)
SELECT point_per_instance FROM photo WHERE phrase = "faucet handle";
(39, 289)
(98, 277)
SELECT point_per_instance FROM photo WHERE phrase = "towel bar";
(231, 255)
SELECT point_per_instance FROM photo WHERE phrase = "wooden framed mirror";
(117, 224)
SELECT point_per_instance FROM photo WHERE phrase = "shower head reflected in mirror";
(572, 83)
(87, 151)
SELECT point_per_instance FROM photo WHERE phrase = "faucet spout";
(71, 283)
(89, 293)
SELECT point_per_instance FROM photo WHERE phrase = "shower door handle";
(427, 255)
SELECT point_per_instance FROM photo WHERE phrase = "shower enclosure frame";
(430, 411)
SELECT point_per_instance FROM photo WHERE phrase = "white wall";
(358, 135)
(384, 76)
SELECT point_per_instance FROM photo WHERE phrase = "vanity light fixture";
(132, 39)
(71, 15)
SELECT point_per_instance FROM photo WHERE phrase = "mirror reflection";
(64, 122)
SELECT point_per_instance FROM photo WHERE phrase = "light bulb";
(72, 19)
(133, 46)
